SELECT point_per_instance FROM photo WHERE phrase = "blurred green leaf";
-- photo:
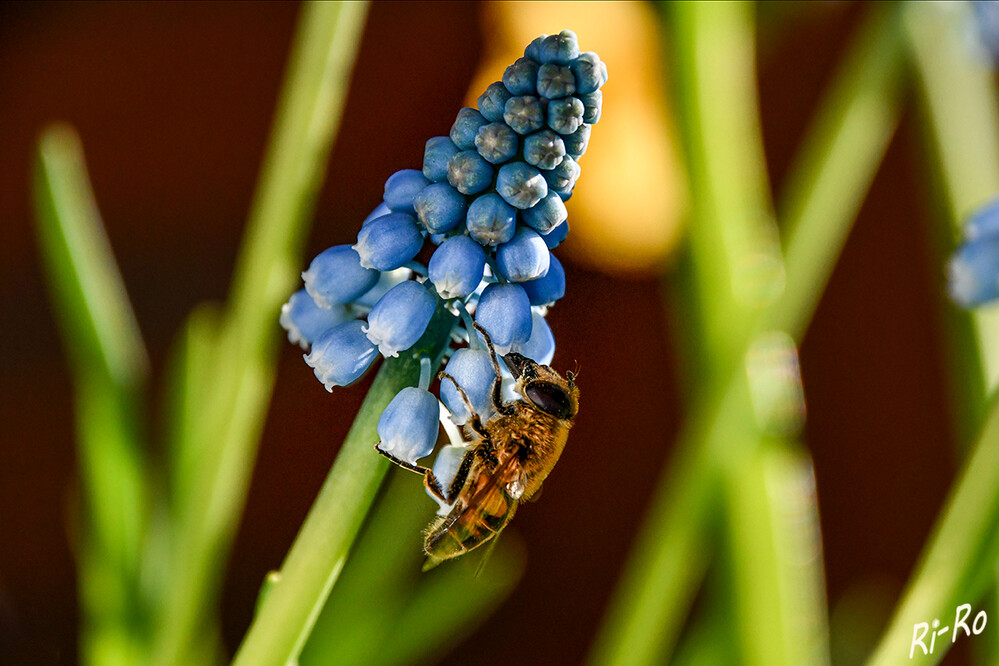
(224, 400)
(779, 589)
(98, 325)
(109, 367)
(958, 563)
(192, 365)
(836, 164)
(316, 558)
(711, 638)
(452, 602)
(384, 610)
(961, 113)
(377, 580)
(732, 241)
(840, 156)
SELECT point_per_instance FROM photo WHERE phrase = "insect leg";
(497, 389)
(412, 467)
(429, 480)
(476, 422)
(487, 454)
(460, 477)
(431, 483)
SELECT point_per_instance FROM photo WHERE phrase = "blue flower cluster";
(973, 270)
(490, 197)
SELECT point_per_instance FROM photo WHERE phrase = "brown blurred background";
(173, 102)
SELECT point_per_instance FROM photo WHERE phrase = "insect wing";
(481, 516)
(491, 507)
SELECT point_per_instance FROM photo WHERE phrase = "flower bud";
(456, 267)
(305, 321)
(388, 242)
(341, 355)
(521, 185)
(337, 276)
(408, 427)
(491, 220)
(400, 317)
(504, 311)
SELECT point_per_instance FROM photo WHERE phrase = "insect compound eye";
(549, 398)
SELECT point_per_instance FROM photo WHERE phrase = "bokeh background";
(173, 102)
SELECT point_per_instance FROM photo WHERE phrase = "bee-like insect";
(510, 455)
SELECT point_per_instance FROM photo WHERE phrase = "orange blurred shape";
(625, 213)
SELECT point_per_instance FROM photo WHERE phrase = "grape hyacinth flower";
(305, 321)
(457, 267)
(400, 317)
(341, 354)
(489, 197)
(388, 242)
(337, 276)
(525, 257)
(408, 426)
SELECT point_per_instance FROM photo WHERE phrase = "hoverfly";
(510, 455)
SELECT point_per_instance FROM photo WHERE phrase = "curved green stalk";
(384, 610)
(109, 367)
(216, 449)
(287, 614)
(958, 564)
(843, 151)
(778, 586)
(961, 110)
(961, 116)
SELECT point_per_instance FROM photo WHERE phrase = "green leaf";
(384, 610)
(958, 564)
(320, 550)
(779, 585)
(98, 325)
(224, 405)
(858, 117)
(109, 367)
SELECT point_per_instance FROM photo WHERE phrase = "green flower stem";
(109, 367)
(219, 447)
(383, 610)
(773, 515)
(960, 108)
(668, 561)
(290, 609)
(958, 565)
(666, 566)
(837, 161)
(714, 72)
(961, 111)
(709, 639)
